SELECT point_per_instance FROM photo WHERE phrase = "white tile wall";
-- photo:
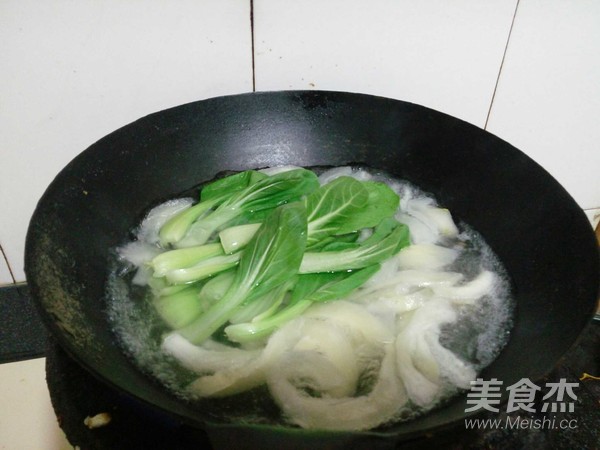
(437, 53)
(73, 71)
(594, 216)
(548, 98)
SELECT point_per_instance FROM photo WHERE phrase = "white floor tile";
(441, 54)
(74, 71)
(548, 98)
(5, 277)
(27, 420)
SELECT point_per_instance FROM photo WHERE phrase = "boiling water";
(476, 336)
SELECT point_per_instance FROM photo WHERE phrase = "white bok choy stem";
(469, 292)
(209, 357)
(316, 381)
(426, 256)
(380, 405)
(221, 380)
(420, 357)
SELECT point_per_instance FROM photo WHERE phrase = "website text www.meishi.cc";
(521, 423)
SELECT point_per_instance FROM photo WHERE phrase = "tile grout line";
(12, 275)
(252, 44)
(512, 24)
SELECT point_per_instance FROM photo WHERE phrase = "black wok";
(534, 226)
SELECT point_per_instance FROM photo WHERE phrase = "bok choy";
(272, 256)
(266, 247)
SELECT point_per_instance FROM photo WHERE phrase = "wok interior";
(528, 219)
